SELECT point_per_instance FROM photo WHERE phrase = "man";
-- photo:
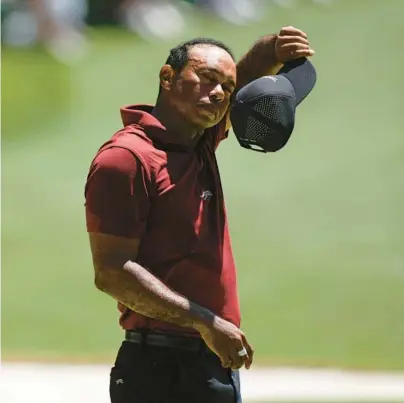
(158, 229)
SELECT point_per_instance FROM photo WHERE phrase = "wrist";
(259, 61)
(266, 54)
(265, 46)
(204, 320)
(277, 64)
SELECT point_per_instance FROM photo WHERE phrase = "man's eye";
(208, 79)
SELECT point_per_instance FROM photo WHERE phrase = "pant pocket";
(215, 383)
(150, 378)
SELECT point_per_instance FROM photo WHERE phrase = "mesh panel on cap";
(270, 107)
(257, 130)
(265, 122)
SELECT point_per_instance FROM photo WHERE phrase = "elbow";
(101, 281)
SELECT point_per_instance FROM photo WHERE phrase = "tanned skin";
(191, 101)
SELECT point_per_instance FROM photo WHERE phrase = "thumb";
(226, 363)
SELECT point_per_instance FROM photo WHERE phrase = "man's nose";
(217, 94)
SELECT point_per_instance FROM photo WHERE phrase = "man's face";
(201, 92)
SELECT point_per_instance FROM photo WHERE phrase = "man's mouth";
(208, 107)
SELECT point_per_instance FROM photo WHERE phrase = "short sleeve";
(116, 194)
(216, 134)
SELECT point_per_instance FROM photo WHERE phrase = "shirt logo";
(206, 195)
(274, 79)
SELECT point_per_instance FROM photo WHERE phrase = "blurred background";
(317, 228)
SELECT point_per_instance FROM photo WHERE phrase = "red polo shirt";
(143, 183)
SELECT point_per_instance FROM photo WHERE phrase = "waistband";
(165, 340)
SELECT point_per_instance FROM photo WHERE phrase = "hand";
(292, 43)
(225, 340)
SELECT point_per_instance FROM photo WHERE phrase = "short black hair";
(178, 57)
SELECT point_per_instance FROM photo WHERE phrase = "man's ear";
(166, 77)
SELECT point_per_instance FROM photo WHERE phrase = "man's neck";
(175, 123)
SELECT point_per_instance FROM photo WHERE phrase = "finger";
(292, 31)
(226, 362)
(292, 39)
(288, 47)
(285, 31)
(237, 360)
(295, 53)
(238, 365)
(250, 353)
(303, 53)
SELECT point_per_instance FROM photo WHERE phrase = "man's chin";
(205, 125)
(205, 121)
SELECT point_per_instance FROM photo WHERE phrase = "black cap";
(263, 113)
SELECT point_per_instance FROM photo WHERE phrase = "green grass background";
(317, 228)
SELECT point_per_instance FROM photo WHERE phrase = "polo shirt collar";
(141, 115)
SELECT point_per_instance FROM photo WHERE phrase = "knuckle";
(236, 339)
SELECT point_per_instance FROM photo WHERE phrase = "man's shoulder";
(137, 144)
(131, 137)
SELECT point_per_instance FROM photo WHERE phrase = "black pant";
(146, 374)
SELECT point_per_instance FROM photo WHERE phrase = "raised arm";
(269, 53)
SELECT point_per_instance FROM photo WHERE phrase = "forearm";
(259, 61)
(142, 292)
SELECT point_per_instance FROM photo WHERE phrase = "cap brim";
(302, 74)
